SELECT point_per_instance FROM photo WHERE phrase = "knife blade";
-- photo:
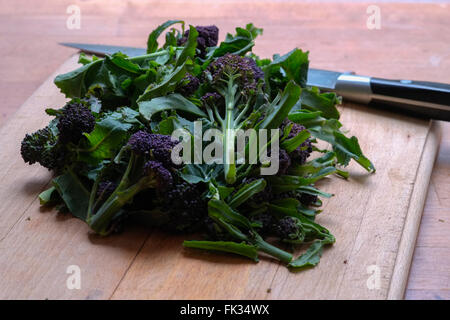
(423, 99)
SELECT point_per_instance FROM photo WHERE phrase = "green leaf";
(195, 173)
(295, 65)
(189, 47)
(106, 139)
(224, 191)
(152, 43)
(173, 101)
(228, 214)
(313, 166)
(293, 143)
(310, 258)
(329, 130)
(326, 103)
(246, 192)
(122, 62)
(72, 83)
(314, 191)
(279, 111)
(242, 248)
(74, 194)
(240, 43)
(288, 183)
(349, 148)
(168, 84)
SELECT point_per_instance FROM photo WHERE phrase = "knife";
(423, 99)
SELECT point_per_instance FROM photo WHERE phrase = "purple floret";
(208, 36)
(286, 228)
(284, 162)
(191, 84)
(162, 175)
(212, 97)
(307, 199)
(75, 120)
(266, 220)
(304, 150)
(232, 64)
(106, 188)
(185, 205)
(142, 142)
(258, 73)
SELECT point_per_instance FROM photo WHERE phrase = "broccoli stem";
(229, 134)
(266, 247)
(100, 221)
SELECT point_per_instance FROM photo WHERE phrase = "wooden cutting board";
(375, 219)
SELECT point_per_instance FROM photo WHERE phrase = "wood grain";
(335, 34)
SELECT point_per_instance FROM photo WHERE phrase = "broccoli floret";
(266, 221)
(190, 85)
(287, 228)
(106, 188)
(304, 150)
(140, 142)
(159, 146)
(74, 120)
(185, 206)
(42, 147)
(307, 199)
(284, 162)
(208, 36)
(243, 70)
(211, 97)
(156, 171)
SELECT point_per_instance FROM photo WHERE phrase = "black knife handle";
(418, 98)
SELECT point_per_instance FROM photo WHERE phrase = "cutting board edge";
(411, 226)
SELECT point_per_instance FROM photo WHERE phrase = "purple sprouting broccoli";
(236, 79)
(154, 176)
(307, 199)
(190, 84)
(47, 146)
(303, 151)
(287, 228)
(184, 204)
(243, 70)
(42, 147)
(158, 173)
(159, 146)
(208, 36)
(106, 188)
(266, 221)
(211, 97)
(284, 162)
(75, 120)
(140, 142)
